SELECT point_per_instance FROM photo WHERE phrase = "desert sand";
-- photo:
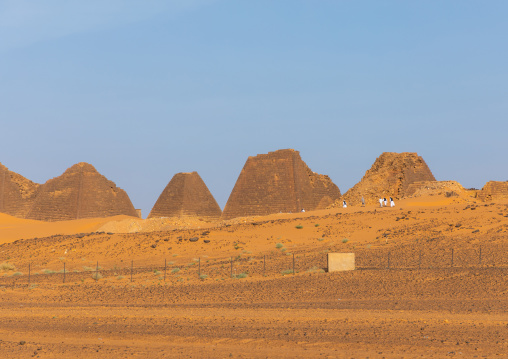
(430, 282)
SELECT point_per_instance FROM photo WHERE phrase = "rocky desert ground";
(430, 282)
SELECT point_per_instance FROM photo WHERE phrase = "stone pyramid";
(17, 193)
(278, 182)
(494, 190)
(80, 192)
(186, 195)
(390, 176)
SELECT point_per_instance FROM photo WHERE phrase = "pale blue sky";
(145, 89)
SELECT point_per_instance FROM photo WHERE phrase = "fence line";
(399, 258)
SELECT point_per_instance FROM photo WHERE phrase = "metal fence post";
(231, 267)
(264, 265)
(165, 264)
(97, 272)
(451, 265)
(199, 267)
(293, 264)
(64, 273)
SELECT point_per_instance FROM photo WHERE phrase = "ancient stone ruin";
(390, 176)
(80, 192)
(494, 190)
(186, 195)
(278, 182)
(17, 193)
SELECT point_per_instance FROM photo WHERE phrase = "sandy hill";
(390, 176)
(17, 193)
(80, 192)
(278, 182)
(186, 195)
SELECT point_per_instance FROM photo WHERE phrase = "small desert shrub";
(48, 271)
(316, 225)
(4, 267)
(287, 271)
(288, 253)
(87, 269)
(175, 270)
(120, 277)
(203, 276)
(175, 255)
(283, 250)
(96, 276)
(345, 240)
(299, 227)
(156, 272)
(279, 245)
(16, 274)
(241, 275)
(315, 270)
(170, 263)
(320, 239)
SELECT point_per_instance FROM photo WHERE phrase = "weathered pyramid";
(186, 195)
(278, 182)
(494, 190)
(17, 193)
(390, 176)
(80, 192)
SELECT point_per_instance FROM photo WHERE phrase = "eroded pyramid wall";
(186, 195)
(390, 176)
(494, 190)
(80, 192)
(17, 193)
(278, 182)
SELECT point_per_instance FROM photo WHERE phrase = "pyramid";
(17, 193)
(80, 192)
(494, 190)
(278, 182)
(390, 176)
(186, 195)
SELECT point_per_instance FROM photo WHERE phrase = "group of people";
(382, 202)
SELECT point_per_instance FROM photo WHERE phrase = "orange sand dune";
(13, 228)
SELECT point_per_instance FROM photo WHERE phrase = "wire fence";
(409, 257)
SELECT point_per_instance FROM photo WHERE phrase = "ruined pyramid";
(390, 176)
(494, 190)
(17, 193)
(186, 195)
(80, 192)
(278, 182)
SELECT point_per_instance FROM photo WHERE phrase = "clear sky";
(145, 89)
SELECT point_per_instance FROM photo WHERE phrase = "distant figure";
(363, 202)
(380, 202)
(392, 203)
(344, 205)
(384, 200)
(303, 210)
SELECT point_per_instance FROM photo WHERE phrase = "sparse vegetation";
(241, 275)
(5, 267)
(287, 271)
(175, 270)
(345, 240)
(299, 227)
(97, 276)
(16, 274)
(203, 276)
(279, 245)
